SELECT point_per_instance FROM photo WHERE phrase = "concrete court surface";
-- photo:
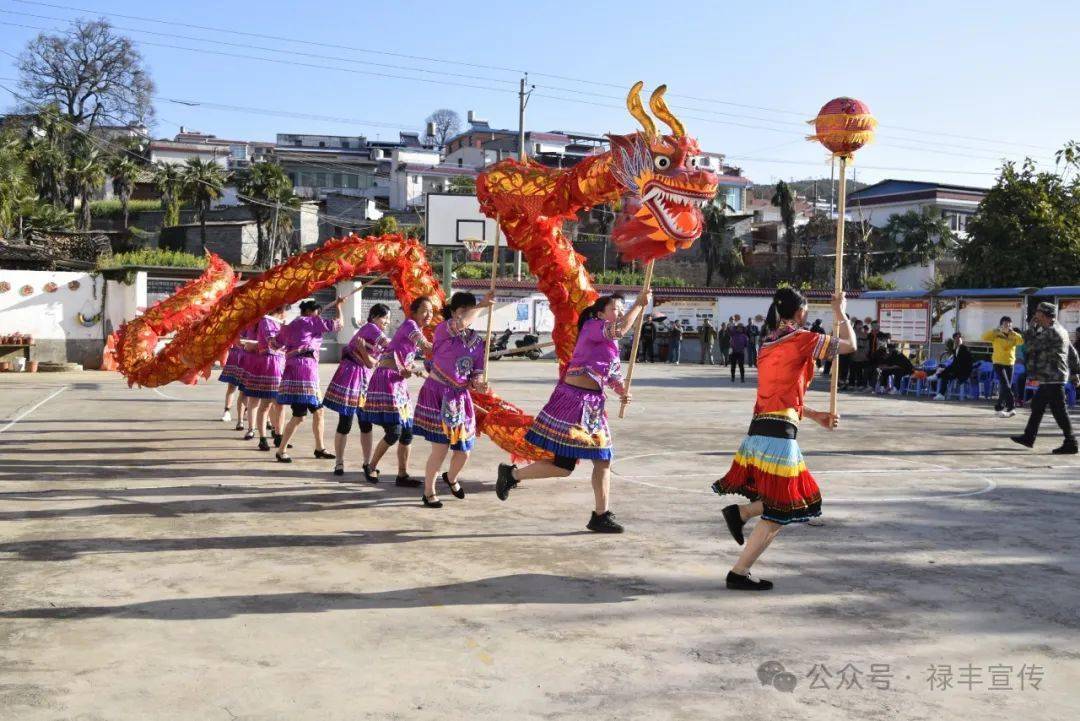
(154, 566)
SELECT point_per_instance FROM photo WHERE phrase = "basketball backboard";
(452, 219)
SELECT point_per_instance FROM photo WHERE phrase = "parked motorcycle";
(501, 342)
(527, 341)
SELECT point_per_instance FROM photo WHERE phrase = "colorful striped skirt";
(232, 372)
(573, 424)
(769, 467)
(387, 399)
(445, 414)
(347, 388)
(263, 375)
(299, 383)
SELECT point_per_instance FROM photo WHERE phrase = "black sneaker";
(264, 445)
(408, 482)
(737, 582)
(1023, 440)
(505, 481)
(1067, 449)
(735, 523)
(604, 523)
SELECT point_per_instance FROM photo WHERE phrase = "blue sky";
(995, 75)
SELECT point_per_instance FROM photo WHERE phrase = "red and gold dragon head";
(665, 190)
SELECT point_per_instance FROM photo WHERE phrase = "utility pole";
(523, 100)
(273, 235)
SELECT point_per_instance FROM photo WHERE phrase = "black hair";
(379, 310)
(957, 334)
(310, 306)
(598, 307)
(461, 299)
(417, 302)
(1005, 319)
(785, 303)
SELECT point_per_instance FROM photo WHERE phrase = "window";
(957, 221)
(345, 144)
(320, 180)
(298, 142)
(459, 162)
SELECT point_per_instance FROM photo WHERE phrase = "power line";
(518, 71)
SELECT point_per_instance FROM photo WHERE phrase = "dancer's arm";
(823, 418)
(636, 309)
(848, 343)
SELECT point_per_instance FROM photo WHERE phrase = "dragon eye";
(662, 162)
(692, 161)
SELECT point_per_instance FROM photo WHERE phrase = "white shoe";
(893, 391)
(226, 416)
(1008, 414)
(939, 397)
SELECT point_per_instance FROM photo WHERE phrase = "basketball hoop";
(475, 247)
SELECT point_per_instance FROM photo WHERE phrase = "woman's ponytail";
(785, 304)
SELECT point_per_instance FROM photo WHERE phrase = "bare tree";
(446, 122)
(92, 74)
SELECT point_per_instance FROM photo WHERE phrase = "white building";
(878, 202)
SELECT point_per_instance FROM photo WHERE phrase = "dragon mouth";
(677, 210)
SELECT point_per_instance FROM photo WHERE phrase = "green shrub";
(153, 257)
(111, 209)
(629, 277)
(877, 282)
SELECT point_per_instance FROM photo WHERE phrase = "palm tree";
(204, 182)
(169, 181)
(48, 149)
(260, 187)
(784, 200)
(285, 204)
(86, 175)
(124, 173)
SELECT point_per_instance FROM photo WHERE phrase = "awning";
(984, 292)
(1072, 291)
(894, 294)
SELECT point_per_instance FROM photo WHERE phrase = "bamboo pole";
(491, 309)
(637, 335)
(834, 383)
(523, 349)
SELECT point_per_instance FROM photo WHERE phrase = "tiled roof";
(661, 291)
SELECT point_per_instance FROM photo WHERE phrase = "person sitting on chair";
(959, 370)
(895, 365)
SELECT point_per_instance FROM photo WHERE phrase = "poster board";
(690, 314)
(978, 316)
(906, 321)
(1069, 314)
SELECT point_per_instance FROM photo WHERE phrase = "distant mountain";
(805, 188)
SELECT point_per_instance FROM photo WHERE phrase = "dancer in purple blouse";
(263, 374)
(444, 411)
(573, 425)
(299, 389)
(387, 401)
(348, 387)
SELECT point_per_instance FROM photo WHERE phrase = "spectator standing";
(753, 333)
(958, 370)
(648, 340)
(675, 342)
(1004, 340)
(1052, 361)
(724, 342)
(860, 359)
(707, 334)
(739, 341)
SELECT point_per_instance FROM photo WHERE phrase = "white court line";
(166, 395)
(33, 408)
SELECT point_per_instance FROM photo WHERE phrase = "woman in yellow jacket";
(1005, 340)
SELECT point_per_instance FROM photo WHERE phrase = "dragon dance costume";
(233, 370)
(348, 387)
(301, 340)
(574, 423)
(387, 399)
(769, 465)
(263, 373)
(444, 408)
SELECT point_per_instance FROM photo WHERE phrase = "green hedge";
(111, 208)
(153, 257)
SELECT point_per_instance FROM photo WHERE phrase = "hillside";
(804, 188)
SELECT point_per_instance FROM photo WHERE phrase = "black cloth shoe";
(323, 453)
(604, 523)
(460, 492)
(238, 427)
(735, 523)
(505, 482)
(371, 475)
(282, 457)
(264, 445)
(737, 582)
(249, 435)
(339, 469)
(429, 503)
(1066, 449)
(408, 482)
(1023, 440)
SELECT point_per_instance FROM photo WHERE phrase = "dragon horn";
(633, 104)
(660, 110)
